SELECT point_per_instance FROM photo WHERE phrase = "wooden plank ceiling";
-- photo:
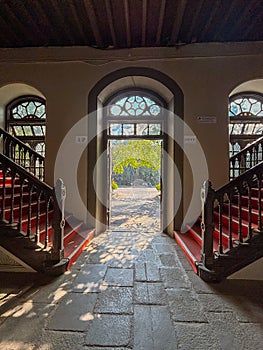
(116, 24)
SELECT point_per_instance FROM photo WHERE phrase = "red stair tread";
(196, 233)
(76, 244)
(189, 246)
(72, 224)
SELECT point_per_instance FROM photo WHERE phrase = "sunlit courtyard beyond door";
(135, 190)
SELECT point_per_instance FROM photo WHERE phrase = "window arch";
(26, 120)
(134, 114)
(245, 120)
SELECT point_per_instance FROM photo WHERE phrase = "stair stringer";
(24, 250)
(11, 263)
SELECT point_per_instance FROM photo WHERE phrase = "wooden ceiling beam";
(25, 12)
(242, 18)
(18, 25)
(225, 19)
(90, 11)
(77, 21)
(42, 14)
(209, 20)
(252, 25)
(61, 22)
(144, 21)
(196, 14)
(178, 21)
(7, 34)
(160, 23)
(127, 23)
(111, 25)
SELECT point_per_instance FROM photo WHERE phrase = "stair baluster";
(240, 234)
(39, 193)
(207, 225)
(59, 222)
(220, 244)
(47, 203)
(21, 183)
(230, 213)
(259, 177)
(3, 193)
(249, 211)
(29, 210)
(11, 218)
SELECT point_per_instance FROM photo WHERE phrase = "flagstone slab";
(115, 300)
(119, 277)
(89, 280)
(109, 330)
(73, 313)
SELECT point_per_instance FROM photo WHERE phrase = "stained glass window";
(26, 120)
(134, 115)
(245, 120)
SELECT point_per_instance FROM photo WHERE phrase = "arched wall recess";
(11, 91)
(245, 114)
(168, 89)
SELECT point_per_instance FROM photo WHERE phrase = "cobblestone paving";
(136, 208)
(135, 290)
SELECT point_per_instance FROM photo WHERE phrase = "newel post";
(59, 220)
(207, 225)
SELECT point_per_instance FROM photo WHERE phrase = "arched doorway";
(134, 139)
(169, 91)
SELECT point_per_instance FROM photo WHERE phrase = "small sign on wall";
(210, 119)
(81, 139)
(190, 139)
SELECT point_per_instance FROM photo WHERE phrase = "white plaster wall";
(206, 74)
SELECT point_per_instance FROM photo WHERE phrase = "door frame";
(170, 91)
(162, 120)
(109, 173)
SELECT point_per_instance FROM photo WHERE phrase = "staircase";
(229, 234)
(35, 229)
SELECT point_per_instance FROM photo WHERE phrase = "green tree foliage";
(136, 153)
(158, 187)
(114, 185)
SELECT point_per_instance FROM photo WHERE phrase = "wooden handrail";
(22, 154)
(21, 171)
(48, 203)
(230, 195)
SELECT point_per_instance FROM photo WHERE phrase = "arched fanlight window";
(245, 120)
(26, 120)
(134, 114)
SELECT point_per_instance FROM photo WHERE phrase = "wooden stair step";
(76, 244)
(189, 246)
(245, 212)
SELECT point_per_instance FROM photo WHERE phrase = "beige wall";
(206, 74)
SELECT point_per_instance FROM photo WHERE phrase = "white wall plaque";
(190, 139)
(81, 139)
(207, 119)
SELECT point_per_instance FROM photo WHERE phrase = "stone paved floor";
(132, 290)
(135, 208)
